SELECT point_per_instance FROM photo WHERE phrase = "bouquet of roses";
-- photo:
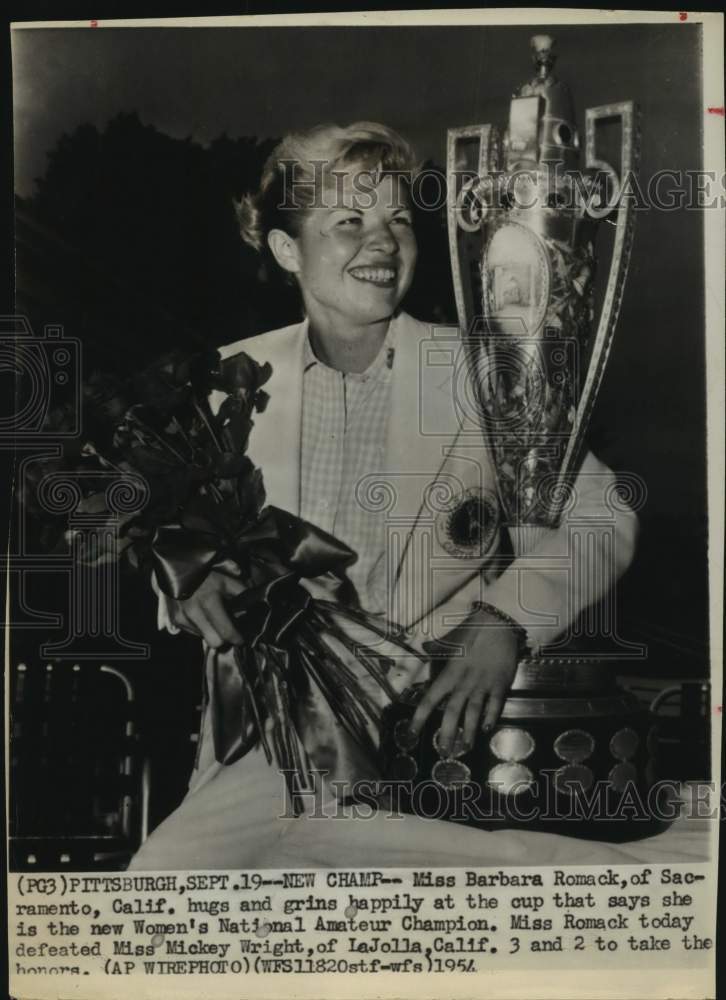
(204, 508)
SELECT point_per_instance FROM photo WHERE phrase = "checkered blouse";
(344, 425)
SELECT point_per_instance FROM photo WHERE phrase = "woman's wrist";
(490, 616)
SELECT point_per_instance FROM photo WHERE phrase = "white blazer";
(435, 454)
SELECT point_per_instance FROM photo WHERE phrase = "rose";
(242, 378)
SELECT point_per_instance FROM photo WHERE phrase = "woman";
(345, 419)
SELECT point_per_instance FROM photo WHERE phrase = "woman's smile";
(383, 276)
(356, 254)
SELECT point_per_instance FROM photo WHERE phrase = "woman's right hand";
(205, 613)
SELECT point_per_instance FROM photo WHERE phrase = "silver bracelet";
(519, 630)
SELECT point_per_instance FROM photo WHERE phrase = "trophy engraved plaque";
(523, 217)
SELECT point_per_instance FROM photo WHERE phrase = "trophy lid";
(542, 125)
(544, 57)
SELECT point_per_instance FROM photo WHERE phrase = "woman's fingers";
(468, 692)
(450, 721)
(495, 703)
(180, 618)
(206, 614)
(473, 716)
(196, 615)
(440, 687)
(201, 624)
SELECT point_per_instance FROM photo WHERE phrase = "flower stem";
(205, 421)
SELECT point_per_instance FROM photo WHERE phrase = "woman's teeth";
(377, 275)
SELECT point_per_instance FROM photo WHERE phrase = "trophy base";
(571, 754)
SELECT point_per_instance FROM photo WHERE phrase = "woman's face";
(355, 254)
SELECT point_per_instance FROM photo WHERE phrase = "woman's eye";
(350, 220)
(403, 220)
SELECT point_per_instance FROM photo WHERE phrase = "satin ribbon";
(286, 682)
(276, 544)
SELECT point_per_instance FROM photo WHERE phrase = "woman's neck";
(352, 351)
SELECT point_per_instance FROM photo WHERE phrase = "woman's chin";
(371, 317)
(378, 307)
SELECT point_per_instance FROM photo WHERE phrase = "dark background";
(130, 145)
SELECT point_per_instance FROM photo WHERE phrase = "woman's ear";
(284, 249)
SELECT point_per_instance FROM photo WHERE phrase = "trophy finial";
(543, 55)
(541, 117)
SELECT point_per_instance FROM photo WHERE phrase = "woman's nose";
(383, 238)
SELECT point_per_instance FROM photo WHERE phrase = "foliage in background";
(131, 241)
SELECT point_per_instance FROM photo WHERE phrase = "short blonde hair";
(285, 195)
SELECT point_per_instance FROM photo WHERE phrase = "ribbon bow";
(274, 687)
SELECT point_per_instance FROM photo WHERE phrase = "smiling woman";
(353, 257)
(342, 443)
(333, 209)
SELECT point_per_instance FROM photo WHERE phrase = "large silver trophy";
(524, 211)
(523, 214)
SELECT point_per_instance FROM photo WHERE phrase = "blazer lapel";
(422, 430)
(436, 458)
(412, 454)
(275, 439)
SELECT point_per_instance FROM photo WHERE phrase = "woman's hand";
(205, 614)
(476, 680)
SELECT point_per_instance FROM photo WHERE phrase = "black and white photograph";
(362, 496)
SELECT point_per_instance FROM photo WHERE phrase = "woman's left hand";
(477, 680)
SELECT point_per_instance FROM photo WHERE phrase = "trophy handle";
(470, 156)
(624, 226)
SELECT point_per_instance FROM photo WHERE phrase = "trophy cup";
(523, 219)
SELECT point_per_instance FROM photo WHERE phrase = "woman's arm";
(555, 575)
(559, 572)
